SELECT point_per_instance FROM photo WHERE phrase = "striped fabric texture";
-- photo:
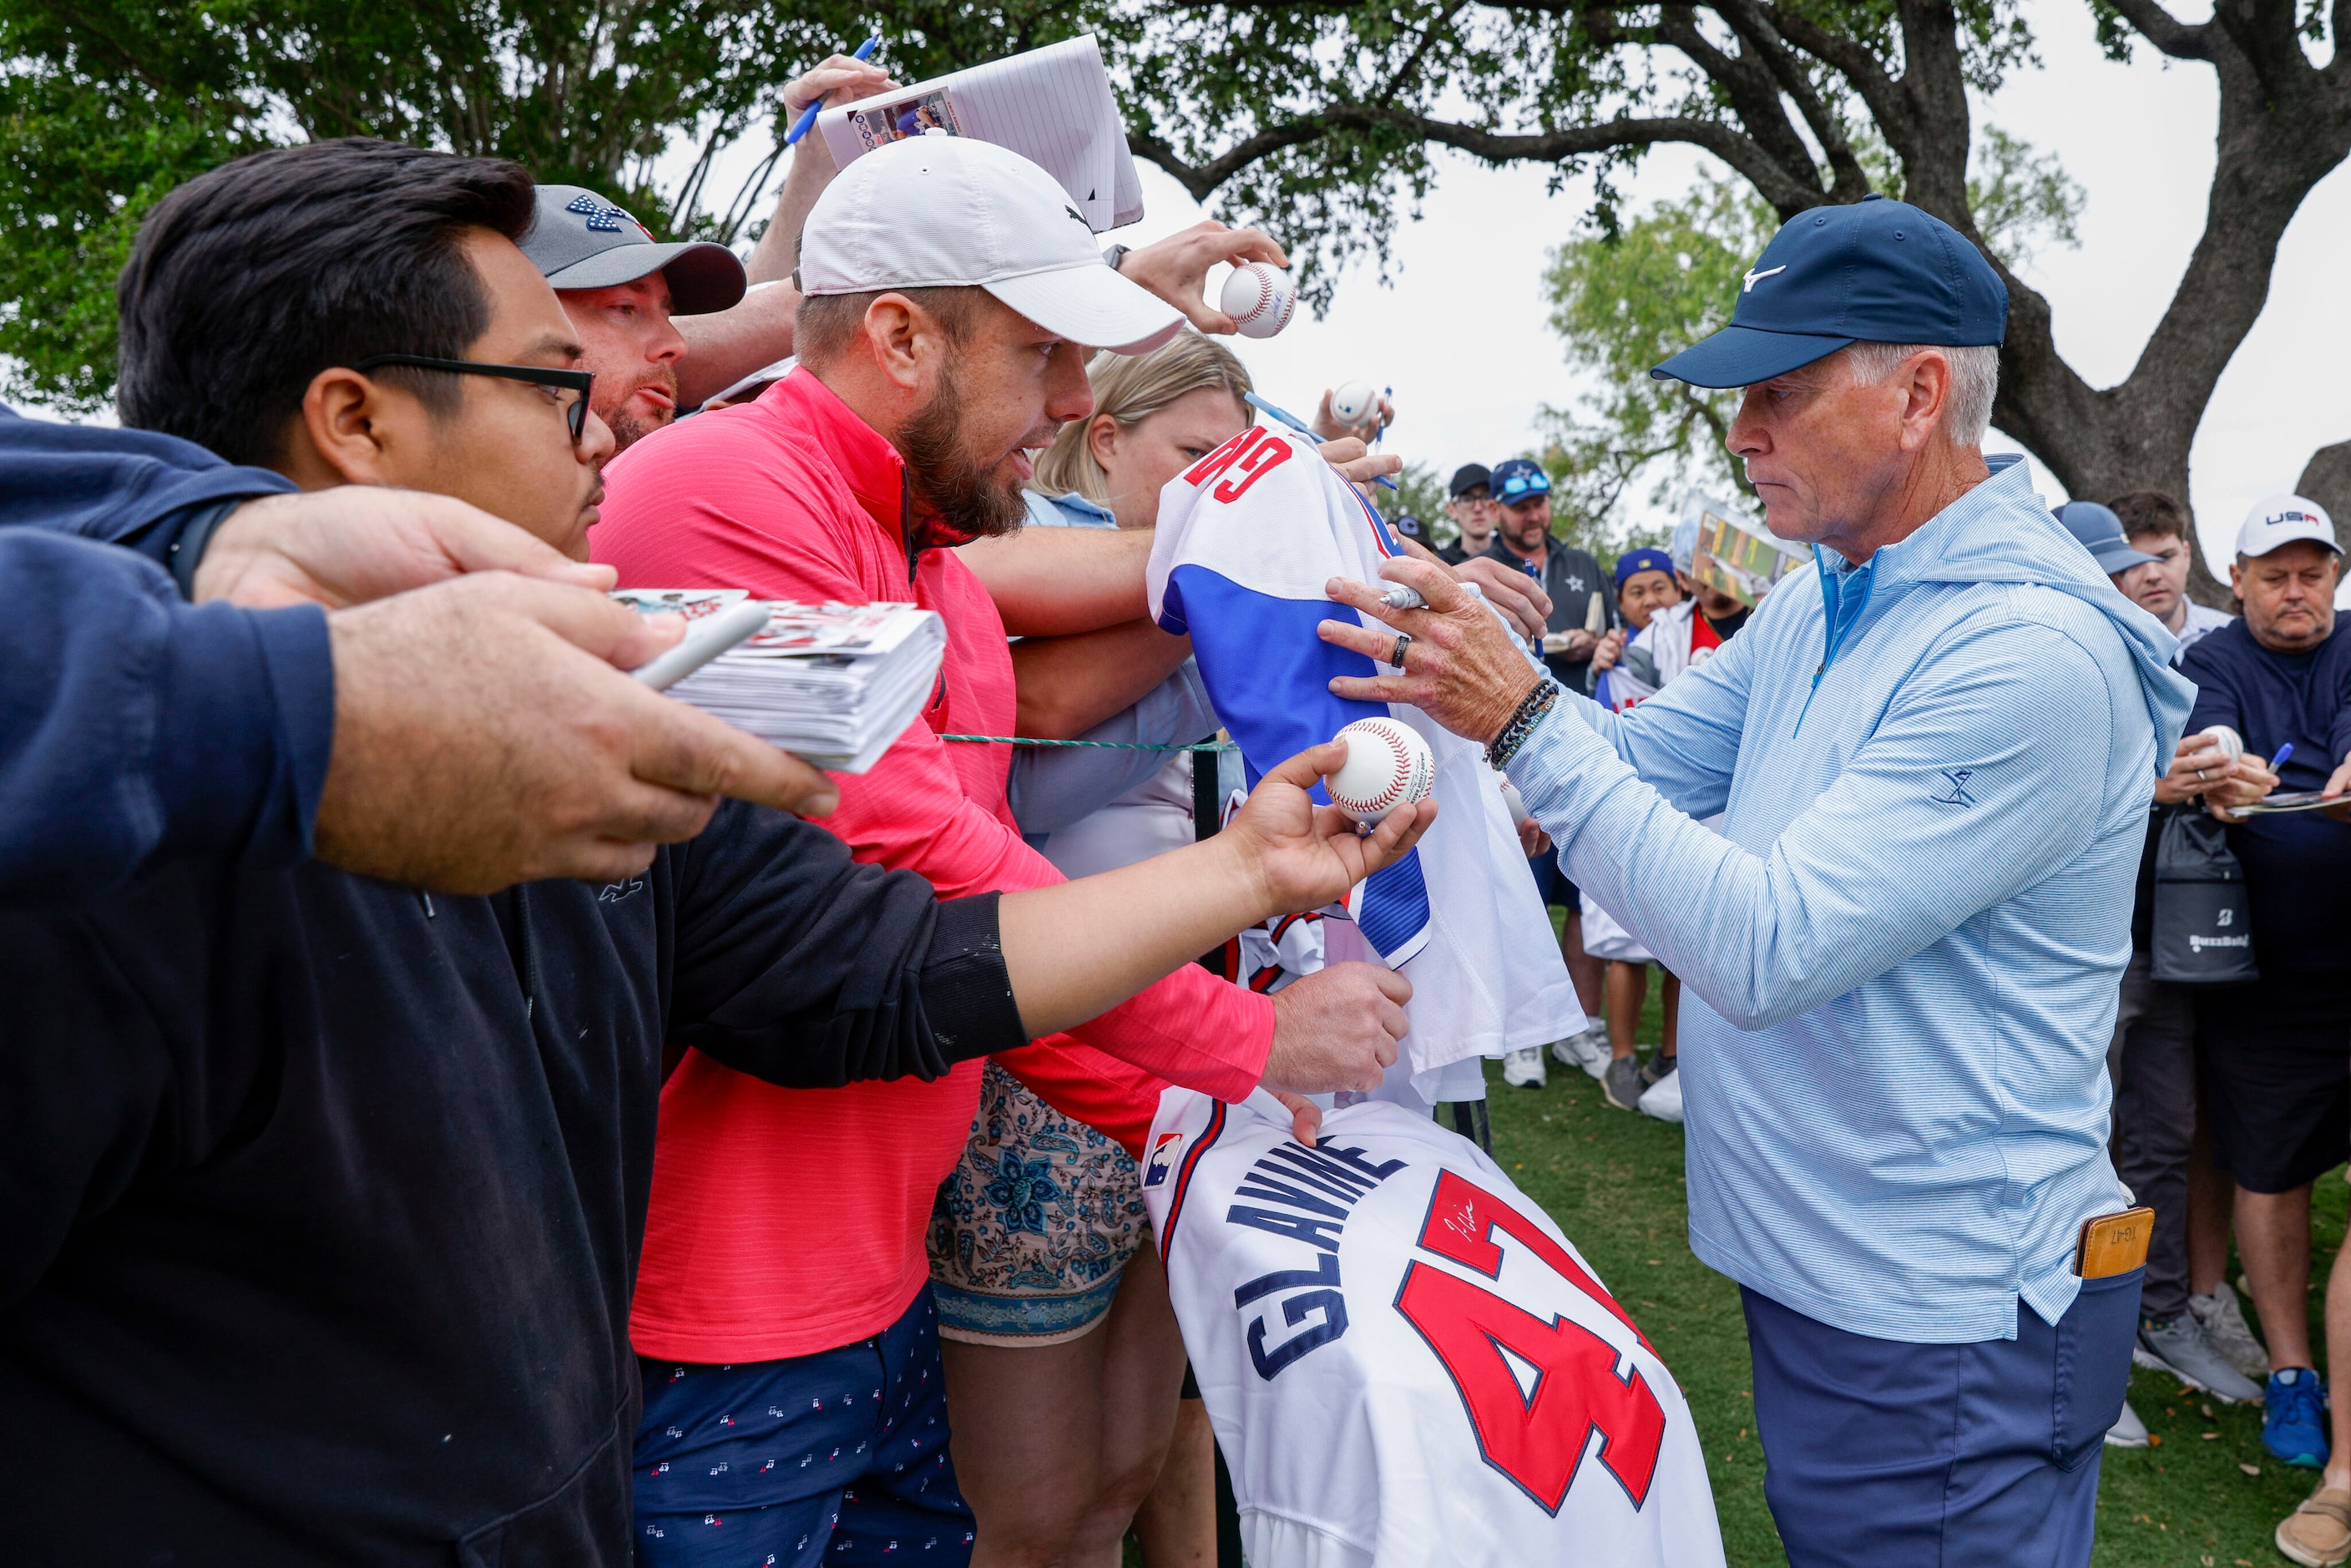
(1901, 955)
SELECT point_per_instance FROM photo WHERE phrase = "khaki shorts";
(1031, 1228)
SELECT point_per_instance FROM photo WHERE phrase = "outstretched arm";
(798, 965)
(1077, 948)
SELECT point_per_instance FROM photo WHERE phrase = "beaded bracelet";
(1530, 713)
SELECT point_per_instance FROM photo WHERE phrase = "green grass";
(1613, 1182)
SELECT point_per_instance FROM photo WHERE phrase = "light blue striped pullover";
(1900, 958)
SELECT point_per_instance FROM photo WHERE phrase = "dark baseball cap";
(2101, 533)
(1633, 562)
(1468, 477)
(576, 239)
(1410, 527)
(1873, 271)
(1519, 479)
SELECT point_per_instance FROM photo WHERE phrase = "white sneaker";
(1588, 1049)
(2128, 1431)
(2224, 1324)
(1663, 1099)
(1524, 1068)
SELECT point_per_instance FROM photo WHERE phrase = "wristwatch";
(1114, 254)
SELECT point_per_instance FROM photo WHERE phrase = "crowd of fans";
(810, 1252)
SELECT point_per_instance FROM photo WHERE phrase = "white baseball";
(1259, 298)
(1355, 404)
(1387, 765)
(2230, 741)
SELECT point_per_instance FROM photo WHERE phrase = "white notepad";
(1052, 106)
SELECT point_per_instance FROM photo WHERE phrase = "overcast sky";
(1459, 331)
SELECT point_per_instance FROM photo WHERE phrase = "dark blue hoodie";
(134, 727)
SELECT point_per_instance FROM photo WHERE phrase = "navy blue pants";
(1940, 1455)
(837, 1457)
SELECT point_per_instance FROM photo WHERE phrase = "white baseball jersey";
(1404, 1361)
(1245, 540)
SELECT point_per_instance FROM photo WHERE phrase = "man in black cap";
(1472, 511)
(1933, 758)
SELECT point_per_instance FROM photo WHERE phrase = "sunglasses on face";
(577, 383)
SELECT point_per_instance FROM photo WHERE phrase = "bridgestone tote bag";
(2203, 924)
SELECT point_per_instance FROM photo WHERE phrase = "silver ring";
(1404, 640)
(2199, 775)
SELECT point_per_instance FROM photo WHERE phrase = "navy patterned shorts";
(838, 1457)
(1033, 1226)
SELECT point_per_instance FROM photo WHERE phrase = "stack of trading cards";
(835, 683)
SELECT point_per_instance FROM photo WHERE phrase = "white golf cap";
(947, 211)
(2281, 521)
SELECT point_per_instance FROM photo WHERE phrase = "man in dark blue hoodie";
(320, 1197)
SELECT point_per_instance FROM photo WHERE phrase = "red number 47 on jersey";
(1536, 1437)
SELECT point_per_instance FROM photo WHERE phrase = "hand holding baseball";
(2246, 780)
(1177, 269)
(1462, 667)
(1301, 856)
(2201, 762)
(1373, 411)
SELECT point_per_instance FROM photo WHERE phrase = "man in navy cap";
(1899, 957)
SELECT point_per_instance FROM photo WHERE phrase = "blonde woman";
(1062, 1357)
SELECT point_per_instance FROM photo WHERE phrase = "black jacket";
(1572, 578)
(321, 1200)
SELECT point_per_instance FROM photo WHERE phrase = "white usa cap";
(950, 212)
(2281, 521)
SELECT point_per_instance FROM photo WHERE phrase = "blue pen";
(2279, 760)
(802, 126)
(1301, 426)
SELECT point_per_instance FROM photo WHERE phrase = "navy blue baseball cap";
(1873, 271)
(1410, 527)
(1633, 562)
(2101, 533)
(1519, 479)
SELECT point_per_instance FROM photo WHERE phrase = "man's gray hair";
(1975, 380)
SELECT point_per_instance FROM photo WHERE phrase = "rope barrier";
(1094, 745)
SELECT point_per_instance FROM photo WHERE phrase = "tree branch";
(2181, 40)
(1741, 152)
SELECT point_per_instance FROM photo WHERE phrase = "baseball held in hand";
(2232, 744)
(1387, 765)
(1259, 298)
(1357, 402)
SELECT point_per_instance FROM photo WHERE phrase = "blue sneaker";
(2293, 1424)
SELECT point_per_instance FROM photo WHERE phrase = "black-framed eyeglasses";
(575, 412)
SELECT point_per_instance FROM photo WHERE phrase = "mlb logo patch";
(1161, 1161)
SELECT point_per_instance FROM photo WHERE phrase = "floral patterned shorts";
(1034, 1224)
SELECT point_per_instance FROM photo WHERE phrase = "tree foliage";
(1628, 298)
(1323, 118)
(105, 105)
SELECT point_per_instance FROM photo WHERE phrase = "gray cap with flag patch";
(579, 240)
